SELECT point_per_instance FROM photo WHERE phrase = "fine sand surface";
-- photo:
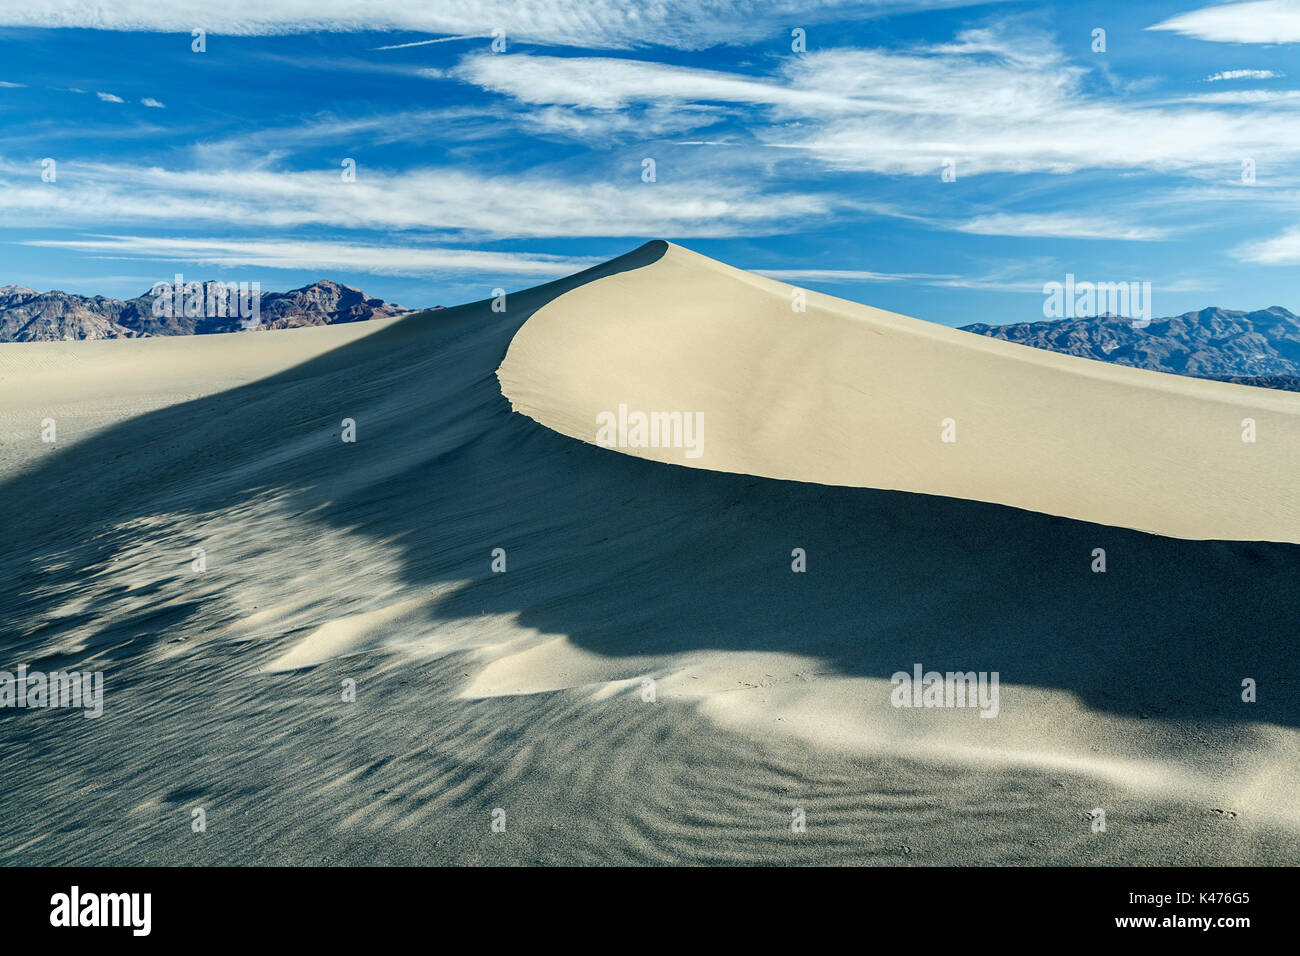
(527, 691)
(838, 393)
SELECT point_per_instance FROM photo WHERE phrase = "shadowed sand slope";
(528, 690)
(844, 394)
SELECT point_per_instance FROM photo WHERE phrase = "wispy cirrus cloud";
(398, 260)
(428, 200)
(1243, 75)
(992, 100)
(1243, 97)
(604, 83)
(611, 126)
(1054, 225)
(1256, 21)
(610, 24)
(1282, 250)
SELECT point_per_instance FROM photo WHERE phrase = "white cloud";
(606, 125)
(110, 98)
(1243, 75)
(11, 86)
(992, 101)
(295, 254)
(1247, 97)
(1025, 109)
(1283, 250)
(428, 200)
(1053, 225)
(685, 24)
(601, 83)
(1259, 21)
(151, 102)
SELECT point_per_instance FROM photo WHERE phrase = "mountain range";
(30, 316)
(1259, 348)
(1251, 348)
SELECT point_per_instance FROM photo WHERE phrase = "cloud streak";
(991, 101)
(1034, 225)
(424, 200)
(1258, 21)
(598, 24)
(1283, 250)
(397, 260)
(1243, 75)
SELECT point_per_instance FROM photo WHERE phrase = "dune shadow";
(628, 557)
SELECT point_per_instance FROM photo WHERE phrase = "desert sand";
(844, 394)
(648, 681)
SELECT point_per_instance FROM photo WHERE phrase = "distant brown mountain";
(30, 316)
(1251, 348)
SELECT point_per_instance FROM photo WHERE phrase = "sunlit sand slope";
(807, 387)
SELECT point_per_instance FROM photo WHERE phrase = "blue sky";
(478, 169)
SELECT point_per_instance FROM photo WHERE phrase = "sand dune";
(845, 394)
(528, 690)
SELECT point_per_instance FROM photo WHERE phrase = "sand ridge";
(844, 394)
